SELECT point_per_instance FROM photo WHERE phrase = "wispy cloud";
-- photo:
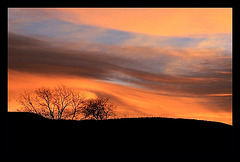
(55, 23)
(154, 21)
(178, 72)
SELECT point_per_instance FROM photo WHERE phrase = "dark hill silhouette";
(32, 134)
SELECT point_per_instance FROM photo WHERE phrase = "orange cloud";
(155, 21)
(176, 72)
(132, 102)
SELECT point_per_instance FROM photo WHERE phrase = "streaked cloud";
(155, 21)
(177, 72)
(54, 23)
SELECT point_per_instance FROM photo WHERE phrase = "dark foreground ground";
(33, 134)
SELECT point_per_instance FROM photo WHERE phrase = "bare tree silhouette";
(58, 103)
(65, 103)
(98, 109)
(77, 100)
(40, 102)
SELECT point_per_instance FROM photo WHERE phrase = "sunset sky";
(165, 62)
